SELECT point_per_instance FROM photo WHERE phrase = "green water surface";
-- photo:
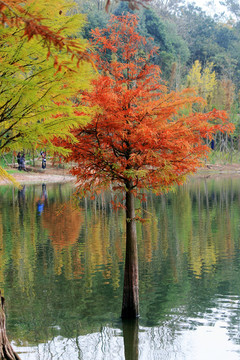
(61, 272)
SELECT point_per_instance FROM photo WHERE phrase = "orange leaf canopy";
(140, 132)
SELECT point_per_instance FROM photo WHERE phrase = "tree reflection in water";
(130, 337)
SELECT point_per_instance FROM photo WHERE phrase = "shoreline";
(39, 176)
(218, 171)
(55, 175)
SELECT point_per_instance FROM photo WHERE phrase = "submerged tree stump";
(6, 350)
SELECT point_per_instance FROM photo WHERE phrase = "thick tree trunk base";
(130, 313)
(130, 305)
(6, 350)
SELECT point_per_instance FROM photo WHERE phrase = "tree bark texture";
(6, 350)
(130, 304)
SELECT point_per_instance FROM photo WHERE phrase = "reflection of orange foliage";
(62, 224)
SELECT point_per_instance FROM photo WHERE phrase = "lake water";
(61, 272)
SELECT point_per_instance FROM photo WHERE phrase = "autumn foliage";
(17, 13)
(141, 135)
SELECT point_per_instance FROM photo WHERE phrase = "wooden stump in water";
(6, 350)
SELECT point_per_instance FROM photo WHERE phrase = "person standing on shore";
(22, 162)
(44, 160)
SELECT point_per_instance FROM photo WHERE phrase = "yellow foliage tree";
(27, 15)
(204, 81)
(37, 91)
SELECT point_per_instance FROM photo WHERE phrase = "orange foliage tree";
(141, 136)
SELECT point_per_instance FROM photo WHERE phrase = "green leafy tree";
(167, 8)
(198, 29)
(233, 6)
(172, 47)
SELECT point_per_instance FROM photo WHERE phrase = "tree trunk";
(33, 157)
(6, 350)
(130, 305)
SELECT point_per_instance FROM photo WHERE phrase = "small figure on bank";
(44, 161)
(22, 162)
(212, 144)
